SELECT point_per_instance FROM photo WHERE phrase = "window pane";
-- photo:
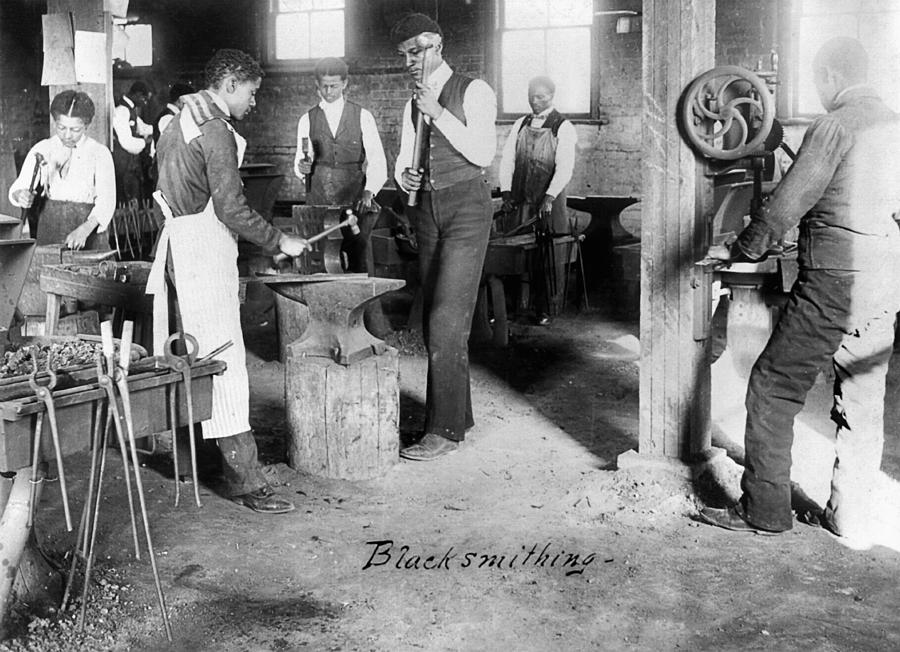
(522, 58)
(328, 4)
(569, 66)
(878, 34)
(830, 6)
(292, 36)
(814, 31)
(293, 5)
(139, 46)
(326, 37)
(525, 13)
(571, 12)
(119, 40)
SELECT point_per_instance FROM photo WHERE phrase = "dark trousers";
(845, 317)
(240, 464)
(453, 229)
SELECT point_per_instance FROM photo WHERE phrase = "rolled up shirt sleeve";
(376, 163)
(23, 181)
(227, 189)
(565, 159)
(824, 146)
(104, 188)
(508, 159)
(476, 140)
(407, 142)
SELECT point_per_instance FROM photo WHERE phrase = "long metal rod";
(189, 399)
(122, 384)
(84, 527)
(173, 422)
(89, 558)
(35, 462)
(47, 397)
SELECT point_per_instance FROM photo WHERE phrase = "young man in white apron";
(201, 195)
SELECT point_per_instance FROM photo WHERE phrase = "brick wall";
(186, 34)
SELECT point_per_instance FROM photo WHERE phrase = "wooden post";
(90, 16)
(678, 44)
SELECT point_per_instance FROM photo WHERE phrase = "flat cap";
(412, 25)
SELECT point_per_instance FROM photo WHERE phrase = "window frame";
(593, 115)
(299, 65)
(787, 98)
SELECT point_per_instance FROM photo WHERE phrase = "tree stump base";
(343, 420)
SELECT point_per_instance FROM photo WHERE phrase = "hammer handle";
(332, 229)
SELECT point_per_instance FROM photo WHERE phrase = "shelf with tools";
(149, 381)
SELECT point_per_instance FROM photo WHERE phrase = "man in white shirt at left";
(76, 194)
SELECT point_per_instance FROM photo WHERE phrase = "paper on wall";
(92, 65)
(118, 8)
(59, 67)
(57, 31)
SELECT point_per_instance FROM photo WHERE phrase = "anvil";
(336, 304)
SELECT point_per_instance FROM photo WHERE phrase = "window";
(133, 43)
(875, 23)
(546, 37)
(305, 29)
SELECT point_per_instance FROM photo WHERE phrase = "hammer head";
(352, 222)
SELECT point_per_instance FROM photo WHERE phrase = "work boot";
(429, 448)
(265, 501)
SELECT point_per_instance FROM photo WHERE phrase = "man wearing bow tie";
(454, 221)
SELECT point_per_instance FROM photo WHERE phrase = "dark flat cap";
(412, 25)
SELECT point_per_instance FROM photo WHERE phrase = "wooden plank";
(89, 16)
(678, 44)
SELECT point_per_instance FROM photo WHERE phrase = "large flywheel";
(727, 113)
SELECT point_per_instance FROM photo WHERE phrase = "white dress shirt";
(83, 174)
(476, 140)
(565, 154)
(376, 163)
(122, 127)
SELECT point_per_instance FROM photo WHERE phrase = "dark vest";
(344, 149)
(446, 166)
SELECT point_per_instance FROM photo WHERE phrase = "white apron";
(204, 255)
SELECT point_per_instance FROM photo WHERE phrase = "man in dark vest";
(454, 220)
(537, 164)
(343, 161)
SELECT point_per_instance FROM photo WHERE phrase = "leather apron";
(535, 165)
(57, 219)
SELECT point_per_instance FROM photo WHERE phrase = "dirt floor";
(527, 538)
